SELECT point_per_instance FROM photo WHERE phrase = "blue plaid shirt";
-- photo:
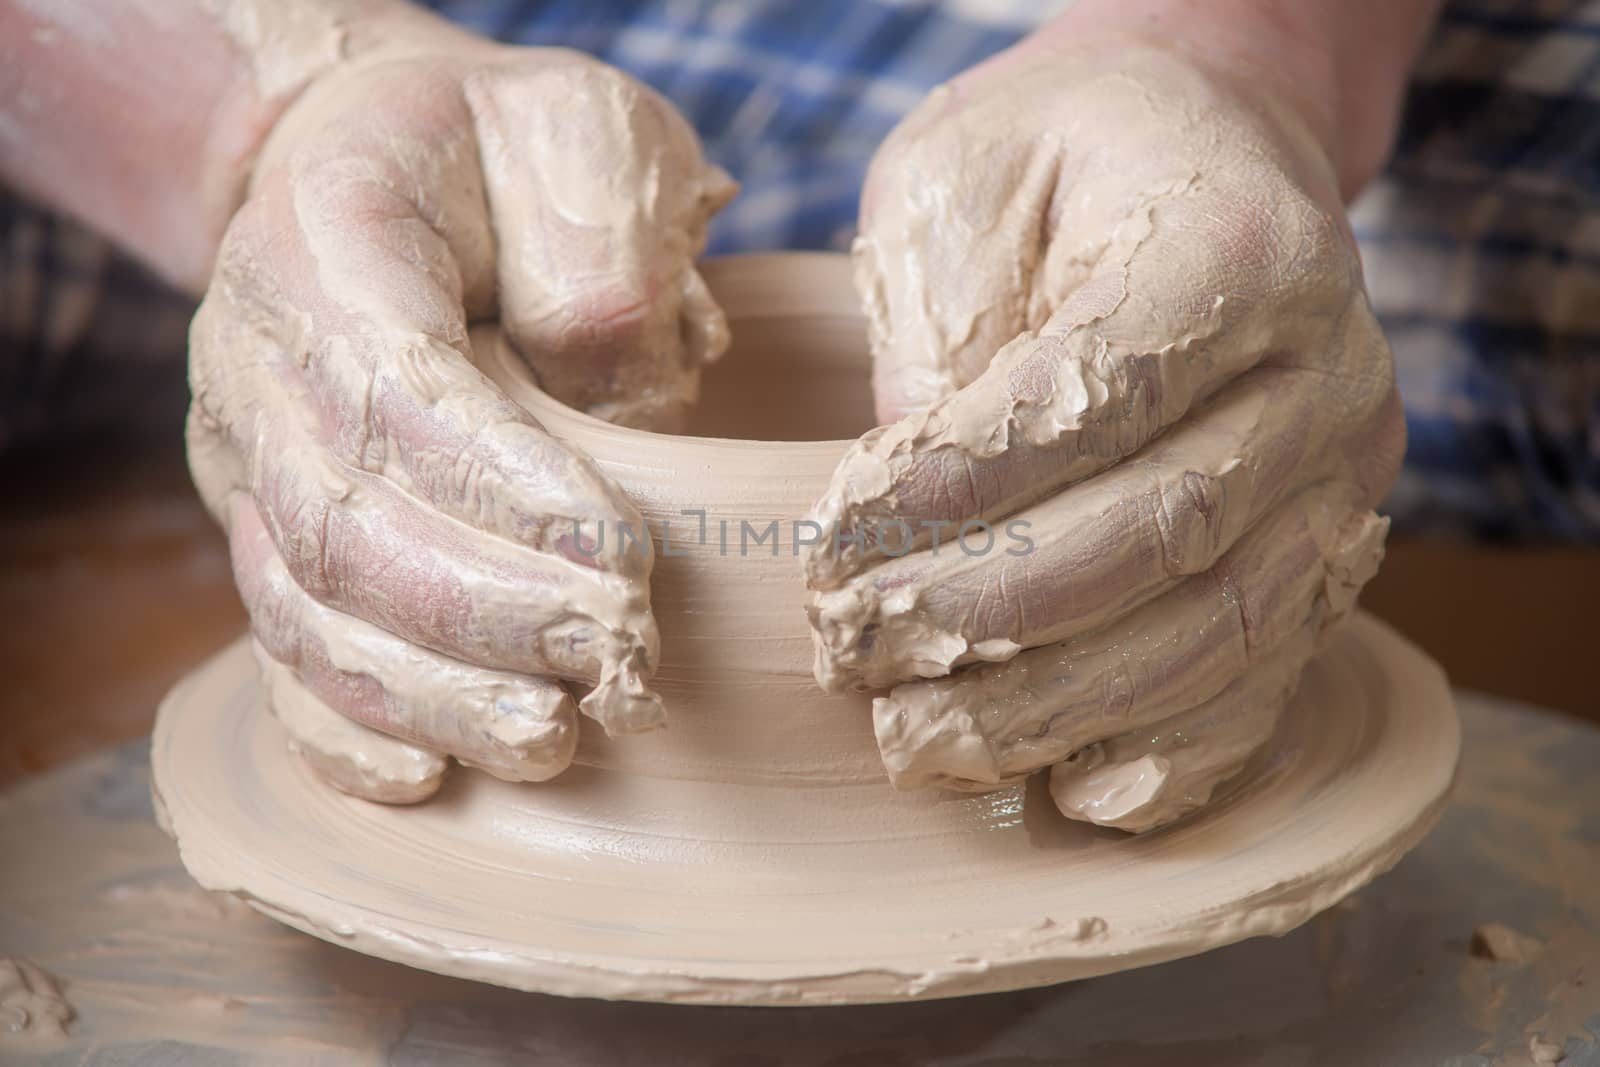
(1481, 242)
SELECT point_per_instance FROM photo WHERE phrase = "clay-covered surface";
(612, 883)
(158, 970)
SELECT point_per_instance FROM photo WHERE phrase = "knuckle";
(213, 464)
(608, 79)
(1384, 448)
(271, 599)
(1188, 522)
(305, 524)
(915, 163)
(1311, 255)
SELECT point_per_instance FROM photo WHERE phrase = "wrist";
(144, 118)
(1340, 66)
(369, 33)
(287, 48)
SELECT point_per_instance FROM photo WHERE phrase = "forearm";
(143, 117)
(1342, 64)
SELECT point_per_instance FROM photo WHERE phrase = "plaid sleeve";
(89, 341)
(1481, 244)
(790, 96)
(1482, 252)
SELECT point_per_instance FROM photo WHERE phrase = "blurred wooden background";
(114, 582)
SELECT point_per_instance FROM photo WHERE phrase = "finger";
(345, 754)
(214, 463)
(953, 183)
(1097, 550)
(1194, 291)
(518, 728)
(355, 266)
(360, 546)
(938, 310)
(386, 363)
(248, 381)
(601, 197)
(1149, 778)
(987, 725)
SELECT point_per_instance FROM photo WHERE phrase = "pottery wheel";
(789, 895)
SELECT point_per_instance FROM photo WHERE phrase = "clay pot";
(736, 648)
(754, 851)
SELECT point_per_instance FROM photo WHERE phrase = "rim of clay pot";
(810, 291)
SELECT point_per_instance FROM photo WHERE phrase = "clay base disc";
(593, 885)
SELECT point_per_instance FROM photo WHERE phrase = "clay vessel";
(736, 648)
(754, 851)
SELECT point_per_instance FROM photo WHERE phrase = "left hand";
(407, 540)
(1112, 295)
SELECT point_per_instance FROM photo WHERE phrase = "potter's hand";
(402, 533)
(1118, 317)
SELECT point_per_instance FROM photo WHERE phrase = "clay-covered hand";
(404, 536)
(1120, 342)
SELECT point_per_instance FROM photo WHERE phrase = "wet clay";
(96, 896)
(756, 851)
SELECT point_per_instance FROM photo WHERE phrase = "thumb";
(950, 242)
(600, 196)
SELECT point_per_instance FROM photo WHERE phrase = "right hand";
(1128, 316)
(402, 533)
